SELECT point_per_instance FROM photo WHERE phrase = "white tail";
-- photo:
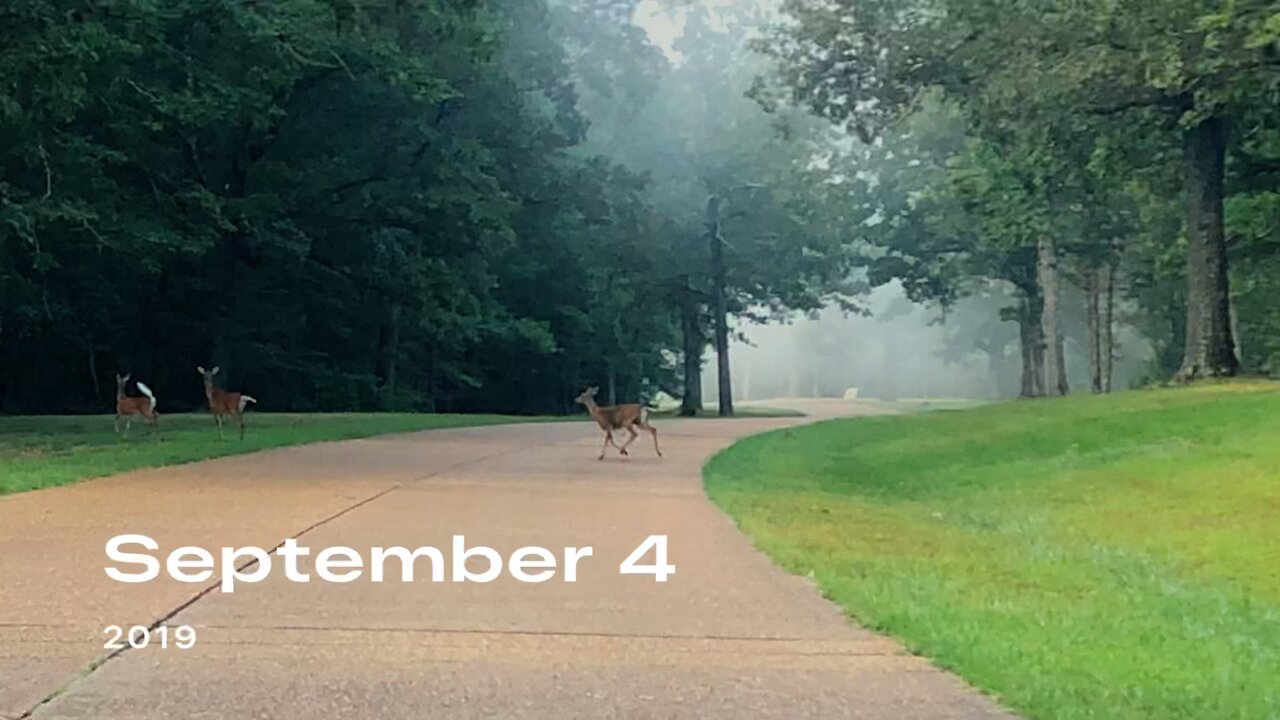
(142, 388)
(222, 403)
(619, 417)
(127, 407)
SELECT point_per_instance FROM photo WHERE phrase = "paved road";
(728, 636)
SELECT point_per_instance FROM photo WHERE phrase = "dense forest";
(458, 205)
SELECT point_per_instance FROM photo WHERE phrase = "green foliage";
(1077, 558)
(1073, 119)
(353, 206)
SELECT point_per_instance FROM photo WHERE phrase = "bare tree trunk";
(610, 384)
(1032, 341)
(720, 307)
(1108, 325)
(1093, 297)
(694, 342)
(433, 384)
(1047, 270)
(389, 353)
(1210, 349)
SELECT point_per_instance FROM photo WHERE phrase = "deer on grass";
(619, 417)
(222, 403)
(127, 407)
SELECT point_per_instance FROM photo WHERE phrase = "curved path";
(728, 636)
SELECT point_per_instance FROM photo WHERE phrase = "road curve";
(728, 636)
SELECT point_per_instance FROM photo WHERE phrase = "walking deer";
(223, 403)
(619, 417)
(127, 407)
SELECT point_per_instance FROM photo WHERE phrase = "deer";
(222, 403)
(618, 417)
(127, 407)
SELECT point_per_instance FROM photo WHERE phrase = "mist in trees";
(491, 204)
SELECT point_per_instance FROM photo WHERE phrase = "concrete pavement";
(728, 636)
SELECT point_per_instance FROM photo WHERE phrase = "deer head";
(121, 380)
(588, 396)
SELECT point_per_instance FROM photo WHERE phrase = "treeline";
(491, 204)
(1130, 150)
(350, 205)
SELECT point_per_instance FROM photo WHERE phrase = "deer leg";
(631, 429)
(654, 431)
(240, 420)
(608, 438)
(117, 423)
(128, 423)
(217, 417)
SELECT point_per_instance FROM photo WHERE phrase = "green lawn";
(38, 452)
(1112, 557)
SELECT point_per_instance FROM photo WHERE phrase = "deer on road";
(222, 403)
(619, 417)
(127, 407)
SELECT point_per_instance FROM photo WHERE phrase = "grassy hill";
(1087, 557)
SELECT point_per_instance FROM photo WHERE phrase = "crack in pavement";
(531, 633)
(101, 660)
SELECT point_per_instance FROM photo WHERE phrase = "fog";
(903, 350)
(682, 136)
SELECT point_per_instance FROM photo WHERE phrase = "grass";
(40, 452)
(747, 411)
(1110, 557)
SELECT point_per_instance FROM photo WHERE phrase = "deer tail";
(245, 400)
(142, 388)
(644, 416)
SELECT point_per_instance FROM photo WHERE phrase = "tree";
(1171, 65)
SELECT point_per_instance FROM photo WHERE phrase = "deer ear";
(214, 371)
(126, 377)
(595, 390)
(200, 369)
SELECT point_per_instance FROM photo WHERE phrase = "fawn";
(618, 417)
(127, 407)
(223, 403)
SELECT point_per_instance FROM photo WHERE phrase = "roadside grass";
(1088, 557)
(748, 411)
(43, 451)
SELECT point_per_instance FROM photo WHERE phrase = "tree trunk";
(1108, 326)
(1210, 350)
(719, 306)
(610, 383)
(1032, 341)
(1093, 311)
(224, 310)
(432, 403)
(694, 342)
(93, 372)
(1047, 272)
(389, 353)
